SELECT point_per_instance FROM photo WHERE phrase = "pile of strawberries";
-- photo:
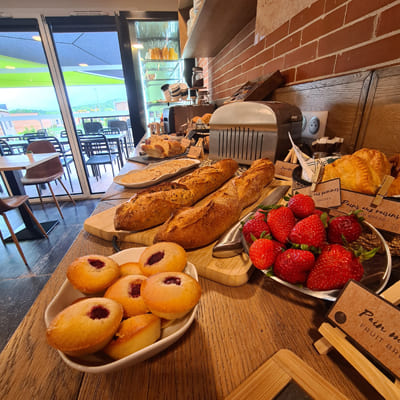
(301, 245)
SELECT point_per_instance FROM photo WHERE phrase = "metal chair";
(11, 203)
(97, 151)
(51, 170)
(5, 148)
(65, 156)
(92, 127)
(123, 126)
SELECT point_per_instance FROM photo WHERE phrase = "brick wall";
(330, 38)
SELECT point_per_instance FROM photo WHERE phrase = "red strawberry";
(309, 231)
(344, 229)
(254, 227)
(293, 265)
(281, 221)
(263, 253)
(334, 267)
(260, 214)
(301, 205)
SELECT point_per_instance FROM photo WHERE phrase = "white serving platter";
(99, 363)
(120, 178)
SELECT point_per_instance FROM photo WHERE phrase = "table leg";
(29, 230)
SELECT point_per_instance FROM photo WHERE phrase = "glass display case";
(157, 43)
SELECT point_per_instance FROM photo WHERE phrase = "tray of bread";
(193, 211)
(155, 173)
(114, 312)
(162, 146)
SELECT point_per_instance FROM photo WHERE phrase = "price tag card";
(385, 216)
(326, 194)
(284, 169)
(370, 321)
(195, 152)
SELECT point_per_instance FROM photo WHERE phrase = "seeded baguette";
(198, 226)
(153, 206)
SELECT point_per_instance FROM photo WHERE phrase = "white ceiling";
(24, 9)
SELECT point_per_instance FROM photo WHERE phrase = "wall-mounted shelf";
(215, 26)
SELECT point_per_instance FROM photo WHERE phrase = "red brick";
(301, 55)
(307, 15)
(322, 26)
(381, 51)
(254, 74)
(277, 34)
(273, 65)
(332, 4)
(288, 44)
(264, 56)
(359, 8)
(289, 75)
(352, 35)
(233, 73)
(257, 48)
(315, 69)
(388, 21)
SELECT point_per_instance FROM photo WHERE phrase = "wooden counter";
(236, 330)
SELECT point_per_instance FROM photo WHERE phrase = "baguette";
(153, 206)
(198, 226)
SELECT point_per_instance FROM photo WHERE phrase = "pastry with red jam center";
(85, 327)
(93, 274)
(170, 295)
(163, 257)
(126, 291)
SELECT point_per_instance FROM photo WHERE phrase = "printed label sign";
(284, 169)
(386, 216)
(327, 194)
(370, 321)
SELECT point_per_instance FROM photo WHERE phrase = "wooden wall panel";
(343, 97)
(380, 126)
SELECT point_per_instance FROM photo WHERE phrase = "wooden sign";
(326, 194)
(385, 216)
(284, 169)
(195, 152)
(371, 322)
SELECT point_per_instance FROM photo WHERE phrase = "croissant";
(363, 171)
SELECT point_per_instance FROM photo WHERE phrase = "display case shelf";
(215, 25)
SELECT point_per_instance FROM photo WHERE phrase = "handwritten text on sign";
(371, 321)
(326, 194)
(386, 216)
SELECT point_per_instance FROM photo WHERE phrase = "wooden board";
(233, 271)
(275, 374)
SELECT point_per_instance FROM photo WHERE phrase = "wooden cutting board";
(285, 373)
(233, 271)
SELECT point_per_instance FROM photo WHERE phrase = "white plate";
(96, 363)
(160, 178)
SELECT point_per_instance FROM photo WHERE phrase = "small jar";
(197, 77)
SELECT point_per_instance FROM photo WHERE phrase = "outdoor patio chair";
(49, 171)
(11, 203)
(65, 155)
(5, 148)
(92, 127)
(97, 151)
(123, 126)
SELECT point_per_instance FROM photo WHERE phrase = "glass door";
(29, 109)
(88, 53)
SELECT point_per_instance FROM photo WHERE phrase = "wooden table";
(236, 330)
(11, 166)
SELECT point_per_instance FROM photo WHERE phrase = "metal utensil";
(230, 244)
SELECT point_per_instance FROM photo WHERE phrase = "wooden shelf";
(215, 26)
